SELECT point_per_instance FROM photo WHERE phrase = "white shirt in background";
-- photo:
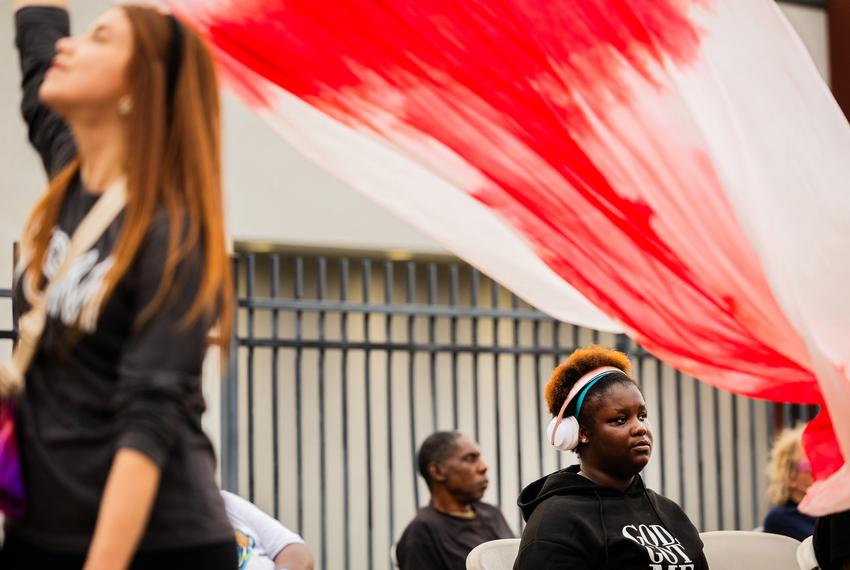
(259, 536)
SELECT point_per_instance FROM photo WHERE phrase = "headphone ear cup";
(569, 429)
(566, 437)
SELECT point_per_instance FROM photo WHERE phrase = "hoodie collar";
(568, 482)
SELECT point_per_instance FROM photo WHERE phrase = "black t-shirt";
(121, 383)
(438, 541)
(831, 541)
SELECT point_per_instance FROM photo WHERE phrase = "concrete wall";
(812, 25)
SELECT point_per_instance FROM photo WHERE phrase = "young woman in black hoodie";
(599, 514)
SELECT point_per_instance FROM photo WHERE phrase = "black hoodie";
(575, 524)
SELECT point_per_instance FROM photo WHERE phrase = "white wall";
(813, 26)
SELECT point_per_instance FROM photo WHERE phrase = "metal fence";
(343, 365)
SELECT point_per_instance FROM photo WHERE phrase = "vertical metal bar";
(517, 410)
(366, 270)
(250, 292)
(771, 422)
(275, 293)
(718, 457)
(322, 291)
(432, 340)
(388, 299)
(494, 303)
(771, 411)
(538, 384)
(475, 284)
(659, 390)
(754, 486)
(699, 450)
(343, 335)
(680, 436)
(299, 416)
(453, 299)
(411, 375)
(230, 399)
(736, 484)
(556, 346)
(623, 343)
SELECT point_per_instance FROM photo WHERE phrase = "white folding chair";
(493, 555)
(806, 559)
(735, 549)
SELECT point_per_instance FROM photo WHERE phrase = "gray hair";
(435, 449)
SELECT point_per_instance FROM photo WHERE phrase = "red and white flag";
(676, 169)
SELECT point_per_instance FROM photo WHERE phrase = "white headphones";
(562, 432)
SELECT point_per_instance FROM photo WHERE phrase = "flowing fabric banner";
(676, 169)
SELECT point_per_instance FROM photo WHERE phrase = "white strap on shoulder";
(31, 325)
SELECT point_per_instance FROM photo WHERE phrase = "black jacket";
(575, 524)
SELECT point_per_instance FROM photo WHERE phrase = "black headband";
(175, 57)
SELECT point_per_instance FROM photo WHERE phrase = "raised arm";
(38, 25)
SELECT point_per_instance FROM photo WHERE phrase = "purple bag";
(11, 478)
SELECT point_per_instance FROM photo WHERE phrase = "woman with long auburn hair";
(117, 470)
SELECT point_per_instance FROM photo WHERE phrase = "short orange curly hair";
(579, 363)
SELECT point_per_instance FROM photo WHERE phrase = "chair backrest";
(734, 549)
(493, 555)
(806, 559)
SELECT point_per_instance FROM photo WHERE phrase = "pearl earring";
(125, 105)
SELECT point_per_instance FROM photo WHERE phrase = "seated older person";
(456, 520)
